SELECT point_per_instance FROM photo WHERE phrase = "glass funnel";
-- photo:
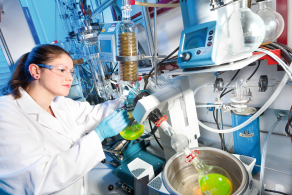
(245, 30)
(274, 22)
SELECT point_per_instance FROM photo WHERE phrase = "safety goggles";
(61, 70)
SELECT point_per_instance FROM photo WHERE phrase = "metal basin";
(182, 178)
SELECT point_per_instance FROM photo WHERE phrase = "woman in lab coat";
(48, 142)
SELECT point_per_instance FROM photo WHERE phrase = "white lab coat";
(40, 154)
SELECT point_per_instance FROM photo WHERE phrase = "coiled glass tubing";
(128, 47)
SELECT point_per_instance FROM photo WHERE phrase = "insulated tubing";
(128, 47)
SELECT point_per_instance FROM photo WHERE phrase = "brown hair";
(21, 76)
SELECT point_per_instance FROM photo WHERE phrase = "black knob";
(110, 187)
(103, 161)
(185, 56)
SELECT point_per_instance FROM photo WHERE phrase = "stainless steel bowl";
(180, 177)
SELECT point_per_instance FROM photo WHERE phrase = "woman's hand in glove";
(112, 125)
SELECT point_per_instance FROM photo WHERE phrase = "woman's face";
(57, 85)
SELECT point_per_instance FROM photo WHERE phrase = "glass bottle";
(274, 22)
(245, 30)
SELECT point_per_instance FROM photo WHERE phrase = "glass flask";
(274, 22)
(245, 30)
(133, 131)
(213, 180)
(127, 46)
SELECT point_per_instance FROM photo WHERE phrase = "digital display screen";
(106, 46)
(195, 39)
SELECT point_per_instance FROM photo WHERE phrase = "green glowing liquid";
(132, 132)
(215, 184)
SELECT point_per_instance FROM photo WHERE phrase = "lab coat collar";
(28, 105)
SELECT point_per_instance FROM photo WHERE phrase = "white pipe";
(266, 105)
(200, 87)
(281, 63)
(258, 113)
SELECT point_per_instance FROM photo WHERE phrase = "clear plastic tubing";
(262, 191)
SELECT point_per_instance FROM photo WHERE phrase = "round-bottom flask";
(213, 180)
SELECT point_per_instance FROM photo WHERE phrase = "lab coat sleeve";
(27, 168)
(87, 115)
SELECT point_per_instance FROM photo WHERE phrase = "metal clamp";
(136, 58)
(193, 155)
(130, 58)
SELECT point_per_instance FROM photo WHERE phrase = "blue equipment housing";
(197, 45)
(247, 139)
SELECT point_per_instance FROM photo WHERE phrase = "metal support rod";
(102, 7)
(148, 28)
(155, 44)
(61, 16)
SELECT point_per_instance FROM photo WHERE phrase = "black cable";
(254, 71)
(159, 65)
(154, 135)
(223, 94)
(149, 134)
(230, 82)
(283, 50)
(227, 92)
(286, 127)
(285, 46)
(276, 192)
(223, 146)
(270, 47)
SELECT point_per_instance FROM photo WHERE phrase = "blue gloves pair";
(112, 125)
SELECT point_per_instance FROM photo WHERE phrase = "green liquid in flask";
(215, 184)
(132, 132)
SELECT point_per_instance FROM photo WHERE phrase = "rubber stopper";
(131, 2)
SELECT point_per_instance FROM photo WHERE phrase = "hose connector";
(281, 115)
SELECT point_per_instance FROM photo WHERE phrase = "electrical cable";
(149, 74)
(254, 71)
(230, 82)
(223, 94)
(149, 134)
(276, 192)
(287, 127)
(220, 135)
(226, 92)
(154, 134)
(283, 50)
(285, 46)
(281, 63)
(223, 146)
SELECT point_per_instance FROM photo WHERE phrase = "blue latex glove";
(112, 125)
